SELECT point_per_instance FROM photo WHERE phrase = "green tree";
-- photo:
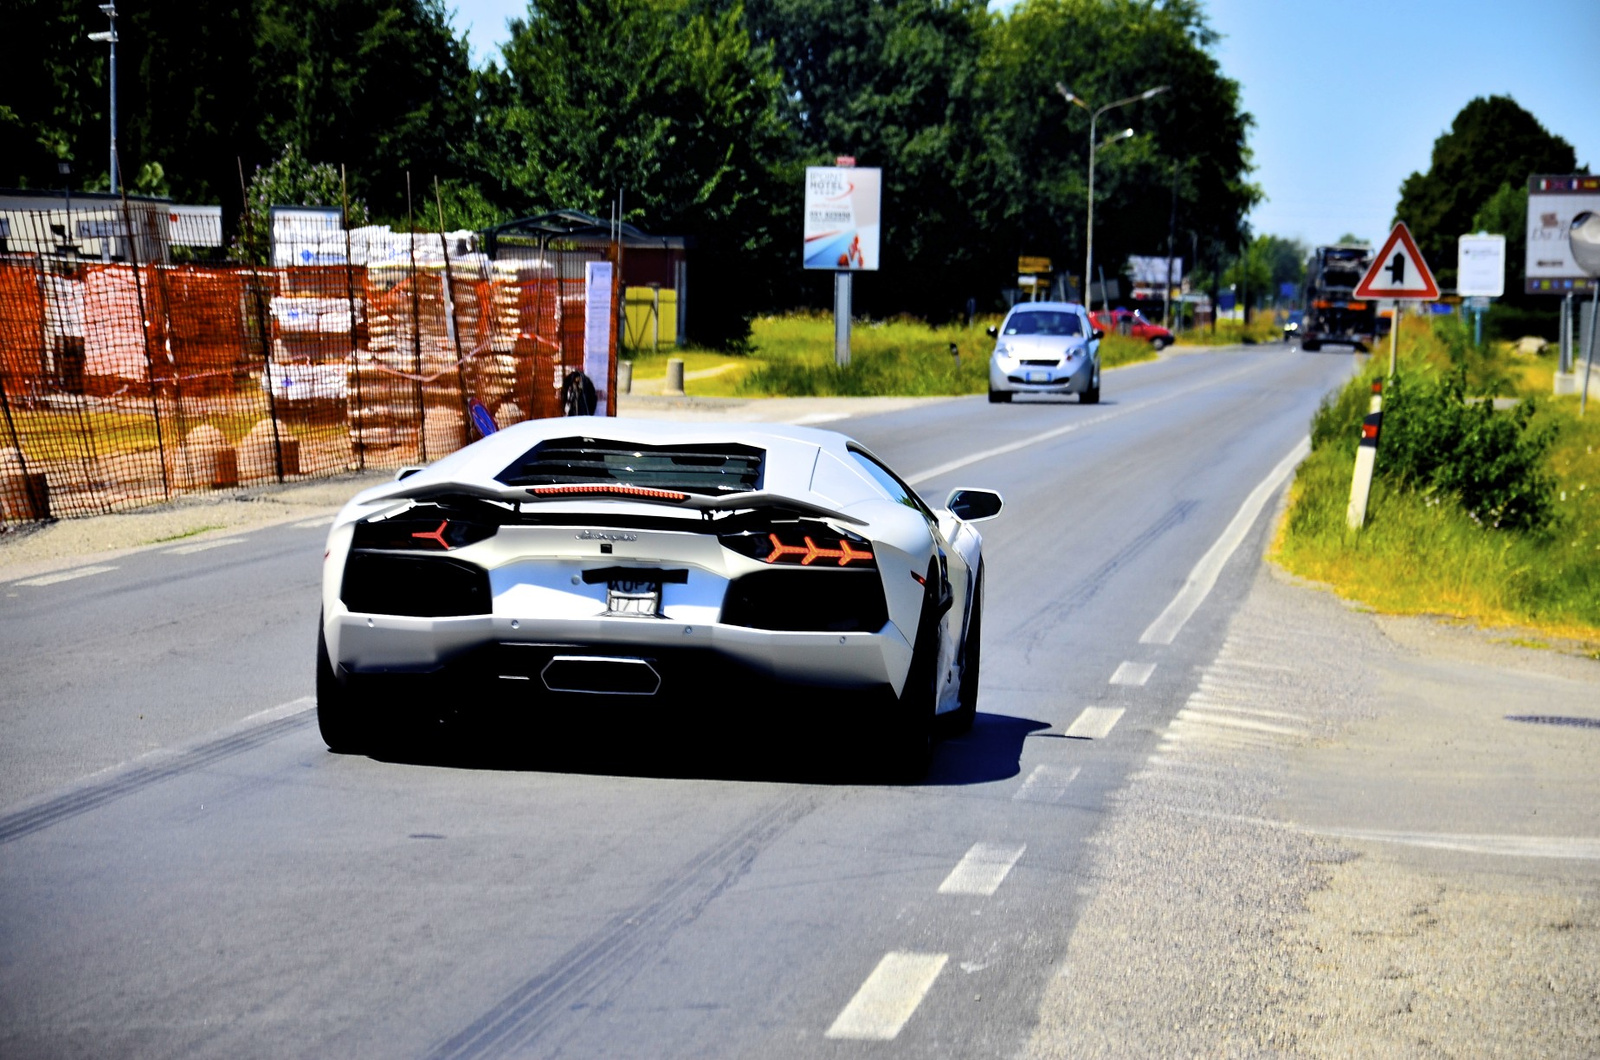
(895, 85)
(670, 106)
(1491, 143)
(1193, 135)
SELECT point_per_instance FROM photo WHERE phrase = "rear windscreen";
(705, 469)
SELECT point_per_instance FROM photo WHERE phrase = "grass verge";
(1421, 553)
(792, 356)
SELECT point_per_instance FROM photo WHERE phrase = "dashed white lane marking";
(312, 524)
(1231, 664)
(1132, 673)
(889, 996)
(982, 869)
(1231, 706)
(1095, 723)
(1078, 425)
(202, 546)
(65, 575)
(1046, 784)
(1209, 718)
(1204, 576)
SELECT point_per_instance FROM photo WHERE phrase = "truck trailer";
(1332, 313)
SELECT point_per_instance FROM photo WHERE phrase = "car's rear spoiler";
(727, 502)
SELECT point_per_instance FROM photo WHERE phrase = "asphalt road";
(179, 878)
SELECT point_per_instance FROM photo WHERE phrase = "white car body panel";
(535, 572)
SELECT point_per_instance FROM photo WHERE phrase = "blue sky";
(1349, 95)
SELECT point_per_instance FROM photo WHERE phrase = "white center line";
(202, 546)
(982, 869)
(1205, 573)
(1045, 784)
(889, 996)
(65, 575)
(1095, 723)
(1132, 673)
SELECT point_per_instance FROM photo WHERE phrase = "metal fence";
(127, 382)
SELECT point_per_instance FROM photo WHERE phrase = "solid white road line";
(65, 576)
(1045, 784)
(202, 546)
(1030, 442)
(1520, 846)
(1095, 723)
(312, 524)
(889, 996)
(982, 869)
(1205, 573)
(1132, 673)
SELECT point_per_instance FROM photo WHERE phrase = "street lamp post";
(110, 37)
(1094, 117)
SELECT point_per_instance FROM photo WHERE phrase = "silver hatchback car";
(1045, 348)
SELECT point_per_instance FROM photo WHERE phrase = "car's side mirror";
(992, 331)
(405, 473)
(971, 505)
(1097, 334)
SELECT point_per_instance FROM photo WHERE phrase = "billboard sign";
(842, 218)
(1553, 201)
(1153, 272)
(1481, 266)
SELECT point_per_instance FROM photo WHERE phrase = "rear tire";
(960, 720)
(1308, 346)
(999, 397)
(907, 734)
(1158, 344)
(341, 714)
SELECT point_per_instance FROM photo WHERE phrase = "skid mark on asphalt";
(888, 997)
(982, 869)
(64, 576)
(597, 967)
(1132, 673)
(1094, 723)
(161, 765)
(1046, 784)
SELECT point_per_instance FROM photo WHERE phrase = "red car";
(1132, 322)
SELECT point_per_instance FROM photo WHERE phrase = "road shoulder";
(1344, 846)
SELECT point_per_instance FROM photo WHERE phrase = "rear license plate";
(636, 598)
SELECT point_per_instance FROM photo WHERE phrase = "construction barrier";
(126, 382)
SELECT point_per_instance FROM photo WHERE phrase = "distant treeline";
(700, 114)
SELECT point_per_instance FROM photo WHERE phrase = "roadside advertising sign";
(1481, 266)
(1398, 271)
(842, 216)
(1553, 201)
(1033, 265)
(1153, 272)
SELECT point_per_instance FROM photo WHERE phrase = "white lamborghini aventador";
(570, 564)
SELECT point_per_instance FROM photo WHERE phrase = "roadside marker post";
(1366, 459)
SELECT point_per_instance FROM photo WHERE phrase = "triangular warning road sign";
(1399, 271)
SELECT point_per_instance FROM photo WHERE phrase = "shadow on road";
(815, 753)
